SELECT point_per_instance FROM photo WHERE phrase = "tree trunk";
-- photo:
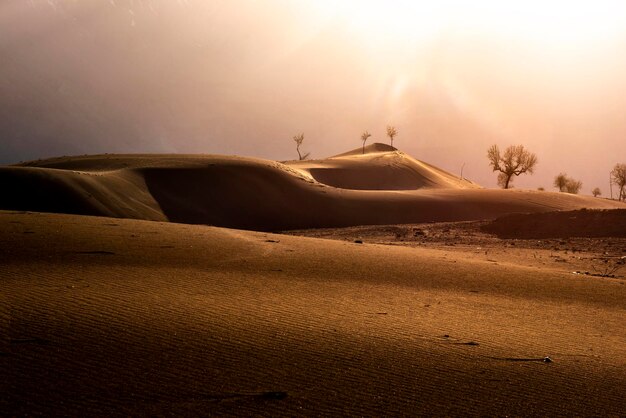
(299, 155)
(508, 180)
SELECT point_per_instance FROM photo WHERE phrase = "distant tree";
(541, 189)
(618, 178)
(515, 161)
(560, 182)
(364, 136)
(567, 184)
(391, 133)
(299, 139)
(596, 192)
(573, 186)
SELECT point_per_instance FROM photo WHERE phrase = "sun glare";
(549, 21)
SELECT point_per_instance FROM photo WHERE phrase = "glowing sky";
(244, 76)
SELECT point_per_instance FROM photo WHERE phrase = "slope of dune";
(118, 317)
(248, 193)
(379, 167)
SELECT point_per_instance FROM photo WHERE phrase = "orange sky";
(244, 76)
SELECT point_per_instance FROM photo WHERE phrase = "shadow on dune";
(242, 195)
(255, 197)
(232, 196)
(34, 189)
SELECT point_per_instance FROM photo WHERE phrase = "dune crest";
(371, 148)
(378, 187)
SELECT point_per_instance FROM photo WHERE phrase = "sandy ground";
(128, 313)
(586, 242)
(118, 317)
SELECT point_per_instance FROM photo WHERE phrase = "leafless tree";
(560, 182)
(596, 192)
(573, 186)
(299, 139)
(391, 133)
(364, 136)
(618, 178)
(514, 161)
(567, 184)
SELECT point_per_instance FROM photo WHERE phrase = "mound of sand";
(378, 187)
(380, 167)
(580, 223)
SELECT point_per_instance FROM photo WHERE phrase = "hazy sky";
(243, 76)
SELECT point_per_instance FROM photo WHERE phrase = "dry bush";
(560, 182)
(299, 139)
(574, 186)
(391, 133)
(364, 136)
(567, 184)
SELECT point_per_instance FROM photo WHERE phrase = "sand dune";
(117, 317)
(379, 167)
(105, 316)
(380, 187)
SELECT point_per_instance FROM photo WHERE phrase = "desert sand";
(382, 186)
(112, 316)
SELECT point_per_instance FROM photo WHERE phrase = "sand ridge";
(381, 186)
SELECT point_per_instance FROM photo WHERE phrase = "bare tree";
(567, 184)
(391, 133)
(573, 186)
(596, 192)
(299, 139)
(514, 161)
(560, 182)
(618, 178)
(364, 136)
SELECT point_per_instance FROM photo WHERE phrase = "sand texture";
(166, 302)
(382, 186)
(119, 317)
